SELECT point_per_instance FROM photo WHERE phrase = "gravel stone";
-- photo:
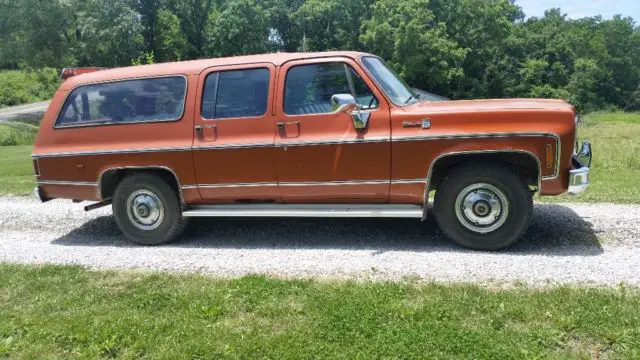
(568, 243)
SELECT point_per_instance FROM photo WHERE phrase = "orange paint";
(312, 158)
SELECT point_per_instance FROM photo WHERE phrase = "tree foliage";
(458, 48)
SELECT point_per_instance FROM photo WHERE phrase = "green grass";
(16, 171)
(615, 175)
(615, 116)
(68, 312)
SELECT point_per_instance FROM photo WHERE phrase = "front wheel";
(147, 210)
(483, 206)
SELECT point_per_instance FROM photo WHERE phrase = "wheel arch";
(110, 177)
(528, 166)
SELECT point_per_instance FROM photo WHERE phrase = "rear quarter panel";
(82, 154)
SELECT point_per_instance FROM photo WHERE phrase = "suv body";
(306, 134)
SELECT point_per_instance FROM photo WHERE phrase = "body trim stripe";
(70, 183)
(232, 146)
(409, 181)
(112, 152)
(472, 136)
(303, 143)
(308, 183)
(233, 185)
(334, 183)
(333, 142)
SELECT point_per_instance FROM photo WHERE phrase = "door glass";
(309, 88)
(235, 94)
(363, 94)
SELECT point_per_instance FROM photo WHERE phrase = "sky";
(581, 8)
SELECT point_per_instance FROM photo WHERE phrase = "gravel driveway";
(567, 244)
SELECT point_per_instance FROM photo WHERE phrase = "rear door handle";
(200, 129)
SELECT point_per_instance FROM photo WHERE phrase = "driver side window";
(309, 88)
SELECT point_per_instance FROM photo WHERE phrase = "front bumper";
(579, 175)
(578, 180)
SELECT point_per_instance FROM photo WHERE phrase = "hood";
(493, 104)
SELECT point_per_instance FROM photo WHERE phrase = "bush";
(27, 86)
(17, 133)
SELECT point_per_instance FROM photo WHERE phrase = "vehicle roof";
(197, 66)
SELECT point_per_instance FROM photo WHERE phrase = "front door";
(233, 148)
(320, 155)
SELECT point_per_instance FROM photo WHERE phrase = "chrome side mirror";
(346, 103)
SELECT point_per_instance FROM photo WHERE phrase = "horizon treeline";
(456, 48)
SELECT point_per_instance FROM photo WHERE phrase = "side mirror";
(346, 103)
(584, 154)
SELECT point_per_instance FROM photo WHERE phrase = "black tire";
(144, 186)
(488, 178)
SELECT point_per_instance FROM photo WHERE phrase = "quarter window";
(235, 94)
(158, 99)
(309, 88)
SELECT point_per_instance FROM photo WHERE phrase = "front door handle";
(282, 124)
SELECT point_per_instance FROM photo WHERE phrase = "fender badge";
(426, 123)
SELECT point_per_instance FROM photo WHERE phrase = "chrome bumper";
(579, 176)
(578, 180)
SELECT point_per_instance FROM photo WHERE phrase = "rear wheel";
(147, 210)
(483, 206)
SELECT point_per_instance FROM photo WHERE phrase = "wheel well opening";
(525, 165)
(111, 178)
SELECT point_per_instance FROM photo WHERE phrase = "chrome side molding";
(293, 210)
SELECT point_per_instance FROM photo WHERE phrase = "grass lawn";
(615, 139)
(16, 171)
(69, 312)
(616, 165)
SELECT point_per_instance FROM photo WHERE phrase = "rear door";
(321, 157)
(234, 133)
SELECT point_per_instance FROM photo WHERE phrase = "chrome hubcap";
(482, 208)
(145, 210)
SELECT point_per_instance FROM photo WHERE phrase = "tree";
(238, 28)
(285, 34)
(194, 19)
(109, 32)
(148, 10)
(36, 33)
(482, 27)
(583, 85)
(333, 24)
(405, 33)
(170, 42)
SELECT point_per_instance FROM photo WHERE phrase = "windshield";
(396, 89)
(425, 95)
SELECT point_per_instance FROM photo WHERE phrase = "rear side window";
(235, 94)
(143, 100)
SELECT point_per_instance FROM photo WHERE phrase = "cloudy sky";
(582, 8)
